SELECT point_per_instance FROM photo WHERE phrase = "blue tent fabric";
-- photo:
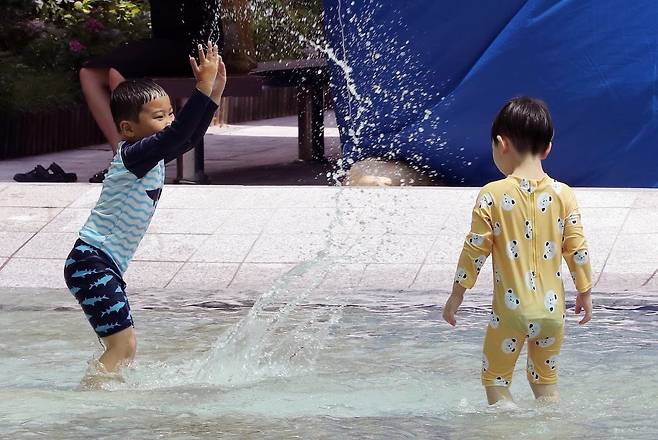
(422, 80)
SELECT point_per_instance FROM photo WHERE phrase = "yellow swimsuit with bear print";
(528, 226)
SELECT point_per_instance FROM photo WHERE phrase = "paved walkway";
(217, 237)
(254, 153)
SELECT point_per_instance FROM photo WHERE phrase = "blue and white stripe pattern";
(124, 210)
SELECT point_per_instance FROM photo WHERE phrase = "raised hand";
(220, 82)
(205, 71)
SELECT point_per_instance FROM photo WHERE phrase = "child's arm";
(143, 155)
(477, 247)
(576, 254)
(206, 119)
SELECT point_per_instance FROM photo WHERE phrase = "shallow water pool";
(369, 364)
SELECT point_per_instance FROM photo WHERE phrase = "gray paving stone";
(221, 248)
(26, 219)
(245, 221)
(10, 242)
(33, 273)
(150, 274)
(641, 221)
(68, 220)
(49, 245)
(259, 276)
(41, 195)
(168, 247)
(187, 221)
(204, 276)
(271, 248)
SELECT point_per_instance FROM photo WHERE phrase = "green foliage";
(43, 43)
(283, 28)
(23, 88)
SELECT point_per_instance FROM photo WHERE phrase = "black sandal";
(98, 177)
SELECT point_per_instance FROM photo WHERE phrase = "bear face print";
(479, 262)
(544, 201)
(573, 218)
(545, 342)
(494, 320)
(500, 382)
(513, 249)
(476, 239)
(532, 372)
(485, 362)
(508, 346)
(528, 230)
(486, 201)
(526, 186)
(533, 329)
(560, 225)
(549, 250)
(581, 257)
(511, 300)
(557, 186)
(508, 202)
(497, 229)
(497, 276)
(530, 280)
(552, 362)
(460, 275)
(550, 301)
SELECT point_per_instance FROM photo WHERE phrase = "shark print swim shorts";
(94, 280)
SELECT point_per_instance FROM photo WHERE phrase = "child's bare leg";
(120, 349)
(546, 393)
(95, 85)
(495, 394)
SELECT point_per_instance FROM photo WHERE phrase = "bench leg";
(190, 166)
(310, 115)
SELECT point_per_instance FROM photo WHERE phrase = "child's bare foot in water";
(98, 378)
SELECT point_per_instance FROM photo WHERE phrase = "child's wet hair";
(526, 122)
(128, 98)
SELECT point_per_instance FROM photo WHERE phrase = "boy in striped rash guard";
(107, 242)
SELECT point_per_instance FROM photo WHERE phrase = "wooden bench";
(311, 79)
(190, 166)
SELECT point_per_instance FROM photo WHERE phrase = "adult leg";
(95, 85)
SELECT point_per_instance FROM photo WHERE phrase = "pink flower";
(76, 47)
(93, 25)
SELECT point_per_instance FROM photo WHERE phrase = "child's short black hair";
(128, 98)
(526, 122)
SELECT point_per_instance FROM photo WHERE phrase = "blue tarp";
(422, 80)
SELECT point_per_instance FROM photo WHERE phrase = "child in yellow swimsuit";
(529, 222)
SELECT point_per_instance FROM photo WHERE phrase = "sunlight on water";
(389, 369)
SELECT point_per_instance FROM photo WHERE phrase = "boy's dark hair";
(526, 122)
(128, 98)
